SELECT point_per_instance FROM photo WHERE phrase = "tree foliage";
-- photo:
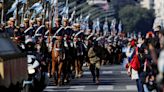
(136, 19)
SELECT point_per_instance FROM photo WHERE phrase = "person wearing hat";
(39, 21)
(68, 45)
(58, 30)
(26, 23)
(58, 24)
(47, 27)
(11, 27)
(78, 37)
(68, 31)
(30, 30)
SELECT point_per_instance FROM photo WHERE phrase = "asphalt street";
(113, 78)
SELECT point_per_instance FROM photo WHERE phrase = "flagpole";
(67, 7)
(16, 22)
(23, 14)
(26, 8)
(56, 10)
(2, 11)
(50, 21)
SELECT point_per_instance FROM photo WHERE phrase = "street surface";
(113, 78)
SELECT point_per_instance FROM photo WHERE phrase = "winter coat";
(93, 58)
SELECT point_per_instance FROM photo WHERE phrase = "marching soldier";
(68, 45)
(58, 54)
(30, 31)
(68, 32)
(26, 23)
(11, 27)
(58, 25)
(79, 49)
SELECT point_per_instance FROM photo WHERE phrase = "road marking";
(131, 87)
(77, 88)
(86, 72)
(105, 87)
(107, 72)
(123, 72)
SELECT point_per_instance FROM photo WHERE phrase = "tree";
(136, 19)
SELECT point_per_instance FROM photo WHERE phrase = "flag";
(98, 25)
(105, 27)
(53, 2)
(94, 26)
(113, 24)
(81, 18)
(72, 15)
(14, 14)
(87, 18)
(37, 10)
(37, 4)
(64, 12)
(120, 27)
(13, 7)
(20, 11)
(23, 1)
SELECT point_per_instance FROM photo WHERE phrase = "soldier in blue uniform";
(10, 28)
(30, 31)
(58, 30)
(68, 46)
(79, 49)
(26, 23)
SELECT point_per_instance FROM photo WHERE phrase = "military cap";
(32, 21)
(22, 25)
(39, 19)
(26, 20)
(12, 19)
(65, 19)
(77, 25)
(47, 22)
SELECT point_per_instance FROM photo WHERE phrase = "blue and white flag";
(14, 14)
(20, 11)
(53, 2)
(97, 25)
(81, 18)
(37, 10)
(94, 26)
(36, 5)
(105, 27)
(120, 27)
(113, 24)
(65, 12)
(87, 18)
(13, 7)
(23, 1)
(72, 15)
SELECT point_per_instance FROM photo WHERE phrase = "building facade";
(149, 4)
(159, 12)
